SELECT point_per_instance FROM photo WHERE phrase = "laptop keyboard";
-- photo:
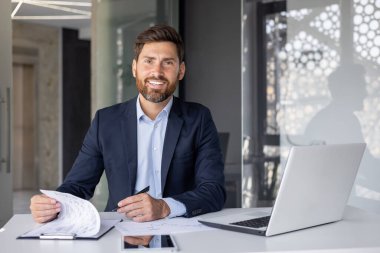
(253, 223)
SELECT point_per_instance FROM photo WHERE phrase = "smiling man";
(153, 140)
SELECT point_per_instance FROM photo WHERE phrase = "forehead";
(160, 49)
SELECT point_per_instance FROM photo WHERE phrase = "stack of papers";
(161, 227)
(78, 217)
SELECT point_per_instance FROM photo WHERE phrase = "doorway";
(25, 177)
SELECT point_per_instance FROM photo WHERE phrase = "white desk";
(358, 232)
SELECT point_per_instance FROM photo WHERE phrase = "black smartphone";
(149, 242)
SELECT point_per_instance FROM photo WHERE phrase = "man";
(153, 140)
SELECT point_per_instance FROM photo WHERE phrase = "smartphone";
(149, 242)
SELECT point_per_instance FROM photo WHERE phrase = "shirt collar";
(165, 112)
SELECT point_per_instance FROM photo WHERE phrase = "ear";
(182, 70)
(134, 63)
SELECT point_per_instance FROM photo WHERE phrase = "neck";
(152, 109)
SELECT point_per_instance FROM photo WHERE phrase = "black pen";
(146, 189)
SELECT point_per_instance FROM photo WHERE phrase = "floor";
(21, 201)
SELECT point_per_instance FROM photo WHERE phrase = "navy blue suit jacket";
(191, 169)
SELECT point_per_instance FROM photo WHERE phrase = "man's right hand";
(43, 208)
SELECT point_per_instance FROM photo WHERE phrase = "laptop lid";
(316, 185)
(314, 190)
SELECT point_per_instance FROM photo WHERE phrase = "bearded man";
(156, 142)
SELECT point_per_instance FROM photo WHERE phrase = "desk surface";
(358, 232)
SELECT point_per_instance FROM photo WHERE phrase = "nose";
(156, 70)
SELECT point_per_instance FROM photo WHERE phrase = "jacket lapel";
(129, 134)
(173, 130)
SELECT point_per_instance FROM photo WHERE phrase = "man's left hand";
(143, 207)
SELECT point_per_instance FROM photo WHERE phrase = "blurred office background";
(274, 74)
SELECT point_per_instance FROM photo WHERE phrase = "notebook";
(314, 190)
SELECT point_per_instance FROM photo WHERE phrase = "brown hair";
(159, 33)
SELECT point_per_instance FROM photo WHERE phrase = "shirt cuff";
(176, 208)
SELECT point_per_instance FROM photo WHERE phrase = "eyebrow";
(164, 59)
(169, 58)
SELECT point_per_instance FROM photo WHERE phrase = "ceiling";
(75, 14)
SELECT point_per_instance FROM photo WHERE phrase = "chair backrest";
(223, 140)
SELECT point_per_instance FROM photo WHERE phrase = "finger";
(42, 199)
(132, 203)
(44, 216)
(41, 207)
(45, 210)
(143, 218)
(46, 213)
(130, 200)
(44, 219)
(135, 213)
(139, 219)
(134, 206)
(128, 208)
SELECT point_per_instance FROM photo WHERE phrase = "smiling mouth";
(155, 83)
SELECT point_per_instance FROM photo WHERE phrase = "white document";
(161, 227)
(77, 216)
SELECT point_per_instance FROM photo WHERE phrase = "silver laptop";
(314, 190)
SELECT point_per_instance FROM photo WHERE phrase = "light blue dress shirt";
(150, 143)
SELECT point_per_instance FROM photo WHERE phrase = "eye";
(148, 61)
(169, 63)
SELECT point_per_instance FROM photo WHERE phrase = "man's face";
(157, 71)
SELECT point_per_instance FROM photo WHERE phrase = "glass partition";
(315, 80)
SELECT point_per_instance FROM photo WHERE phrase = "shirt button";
(154, 148)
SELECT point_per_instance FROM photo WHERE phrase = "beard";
(155, 96)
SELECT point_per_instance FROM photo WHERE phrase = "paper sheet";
(77, 216)
(161, 227)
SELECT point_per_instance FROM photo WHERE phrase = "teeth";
(156, 82)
